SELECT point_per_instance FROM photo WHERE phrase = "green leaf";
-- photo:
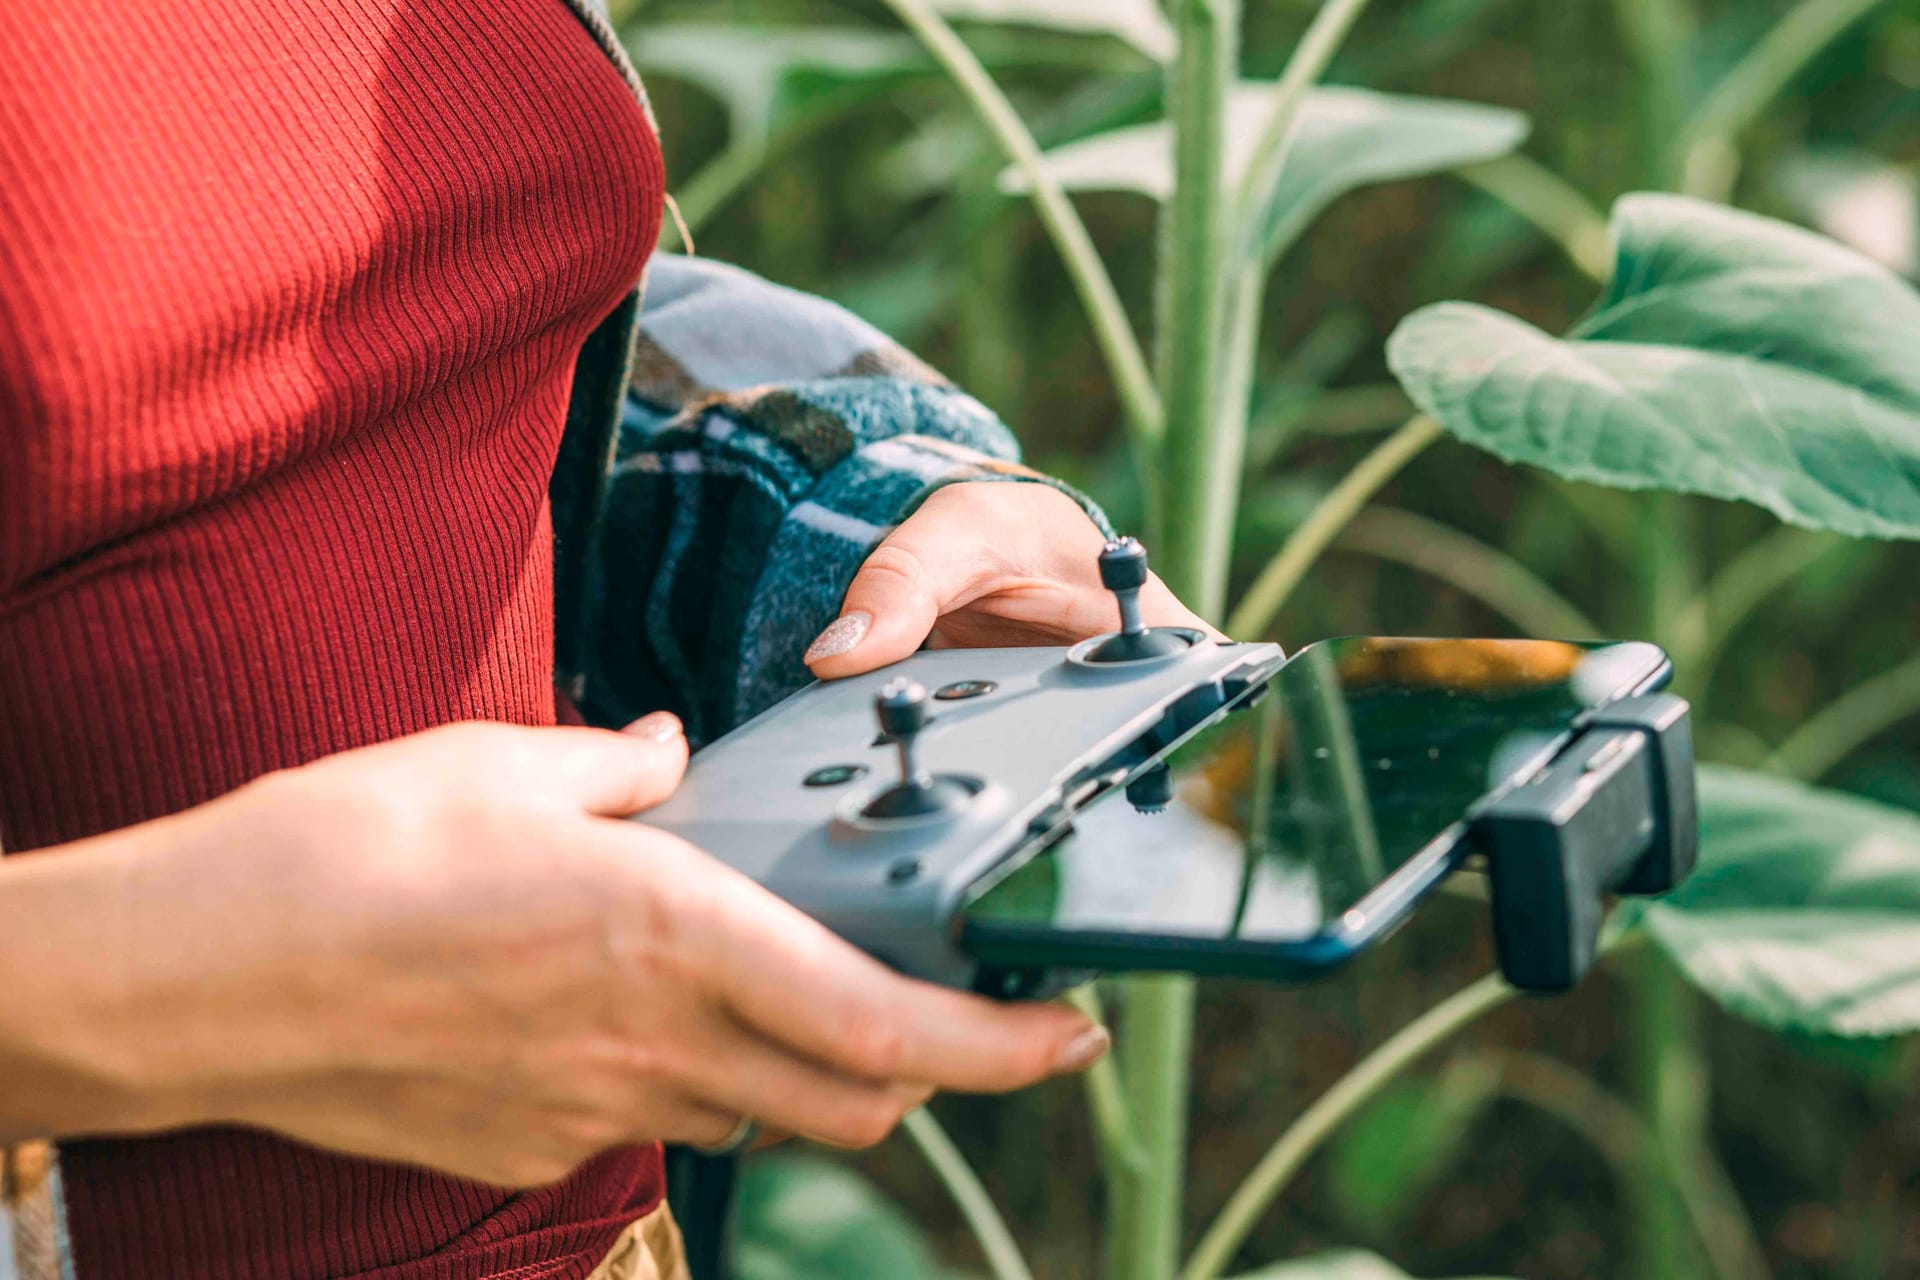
(1342, 1264)
(1343, 139)
(807, 1218)
(1138, 22)
(1396, 1151)
(1733, 356)
(1804, 913)
(765, 73)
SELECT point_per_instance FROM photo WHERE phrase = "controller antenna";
(903, 709)
(1123, 571)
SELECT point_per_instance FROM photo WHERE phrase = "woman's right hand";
(450, 950)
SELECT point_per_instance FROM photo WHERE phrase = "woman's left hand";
(982, 563)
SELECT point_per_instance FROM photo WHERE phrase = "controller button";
(835, 775)
(960, 689)
(904, 870)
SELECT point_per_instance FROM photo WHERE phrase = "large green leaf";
(808, 1218)
(760, 74)
(1138, 22)
(1342, 1264)
(1342, 139)
(1733, 356)
(1804, 913)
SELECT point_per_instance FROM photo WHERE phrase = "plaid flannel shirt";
(769, 440)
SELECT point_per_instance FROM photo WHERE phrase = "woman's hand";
(451, 950)
(979, 564)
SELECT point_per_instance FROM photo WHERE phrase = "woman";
(326, 956)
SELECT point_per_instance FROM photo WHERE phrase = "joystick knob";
(1123, 571)
(903, 709)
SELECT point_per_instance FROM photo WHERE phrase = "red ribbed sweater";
(290, 296)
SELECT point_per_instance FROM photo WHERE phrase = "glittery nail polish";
(841, 636)
(661, 726)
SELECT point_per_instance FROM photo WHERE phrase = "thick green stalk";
(1486, 573)
(1707, 147)
(1863, 711)
(1668, 1065)
(1145, 1210)
(976, 1206)
(1198, 478)
(1199, 466)
(1660, 35)
(1271, 590)
(1139, 398)
(1669, 1075)
(1120, 1153)
(1285, 1158)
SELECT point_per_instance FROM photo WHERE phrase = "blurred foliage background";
(815, 144)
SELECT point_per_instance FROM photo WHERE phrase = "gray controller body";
(1042, 731)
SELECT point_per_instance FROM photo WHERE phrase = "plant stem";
(1711, 1203)
(1197, 469)
(1843, 724)
(1285, 1157)
(1660, 34)
(976, 1206)
(1107, 1099)
(1486, 573)
(1139, 398)
(1552, 204)
(1704, 624)
(1706, 146)
(1669, 1071)
(1670, 1081)
(1261, 177)
(1145, 1213)
(1270, 591)
(1199, 461)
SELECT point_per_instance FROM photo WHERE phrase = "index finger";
(800, 984)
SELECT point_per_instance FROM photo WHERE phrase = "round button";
(835, 775)
(960, 689)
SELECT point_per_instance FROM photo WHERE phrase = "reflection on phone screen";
(1363, 755)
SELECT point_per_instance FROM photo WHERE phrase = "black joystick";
(1123, 571)
(903, 709)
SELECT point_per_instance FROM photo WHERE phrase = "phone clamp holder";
(1614, 813)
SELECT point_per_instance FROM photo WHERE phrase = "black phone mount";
(1613, 813)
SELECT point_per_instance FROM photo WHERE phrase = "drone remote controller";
(879, 804)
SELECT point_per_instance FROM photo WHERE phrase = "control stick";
(903, 709)
(1123, 571)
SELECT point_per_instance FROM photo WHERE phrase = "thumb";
(617, 774)
(890, 608)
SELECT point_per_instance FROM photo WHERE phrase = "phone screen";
(1364, 756)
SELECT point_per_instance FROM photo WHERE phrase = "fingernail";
(1083, 1050)
(846, 631)
(660, 726)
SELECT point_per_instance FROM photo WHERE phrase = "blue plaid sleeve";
(770, 440)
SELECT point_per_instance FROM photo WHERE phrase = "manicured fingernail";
(846, 631)
(1083, 1050)
(661, 726)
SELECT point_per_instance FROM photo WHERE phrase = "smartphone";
(1306, 824)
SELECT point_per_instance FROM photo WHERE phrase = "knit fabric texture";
(291, 299)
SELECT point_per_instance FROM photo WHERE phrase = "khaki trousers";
(647, 1250)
